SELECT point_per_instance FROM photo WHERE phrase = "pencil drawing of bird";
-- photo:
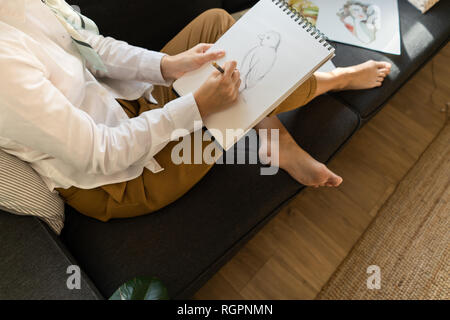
(259, 61)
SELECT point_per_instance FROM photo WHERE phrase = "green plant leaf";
(141, 288)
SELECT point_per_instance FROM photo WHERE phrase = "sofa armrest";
(33, 263)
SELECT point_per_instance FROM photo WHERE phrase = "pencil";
(215, 65)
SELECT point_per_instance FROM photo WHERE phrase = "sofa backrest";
(154, 22)
(237, 5)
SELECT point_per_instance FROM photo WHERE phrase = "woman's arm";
(36, 114)
(126, 62)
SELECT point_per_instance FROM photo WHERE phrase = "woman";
(110, 158)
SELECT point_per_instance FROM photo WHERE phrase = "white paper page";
(284, 52)
(373, 25)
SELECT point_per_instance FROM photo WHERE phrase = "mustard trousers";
(150, 192)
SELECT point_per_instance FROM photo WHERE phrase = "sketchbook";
(277, 49)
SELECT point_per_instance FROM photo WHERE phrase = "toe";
(384, 72)
(383, 65)
(334, 181)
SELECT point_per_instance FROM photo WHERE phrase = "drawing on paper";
(259, 61)
(307, 9)
(363, 20)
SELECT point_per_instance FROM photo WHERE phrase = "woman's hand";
(173, 67)
(219, 91)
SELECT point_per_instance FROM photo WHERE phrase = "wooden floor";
(296, 253)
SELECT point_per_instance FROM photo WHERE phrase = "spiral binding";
(303, 22)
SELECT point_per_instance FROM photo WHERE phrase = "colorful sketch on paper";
(307, 8)
(363, 20)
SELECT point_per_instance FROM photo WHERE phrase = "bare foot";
(367, 75)
(299, 164)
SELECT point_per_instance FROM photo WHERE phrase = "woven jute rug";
(407, 244)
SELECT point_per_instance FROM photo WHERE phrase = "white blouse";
(63, 118)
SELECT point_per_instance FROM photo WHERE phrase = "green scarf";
(73, 21)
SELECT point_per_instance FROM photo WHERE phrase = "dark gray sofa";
(187, 242)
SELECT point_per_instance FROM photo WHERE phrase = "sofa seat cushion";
(34, 262)
(186, 242)
(421, 34)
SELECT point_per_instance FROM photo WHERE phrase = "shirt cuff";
(184, 113)
(150, 68)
